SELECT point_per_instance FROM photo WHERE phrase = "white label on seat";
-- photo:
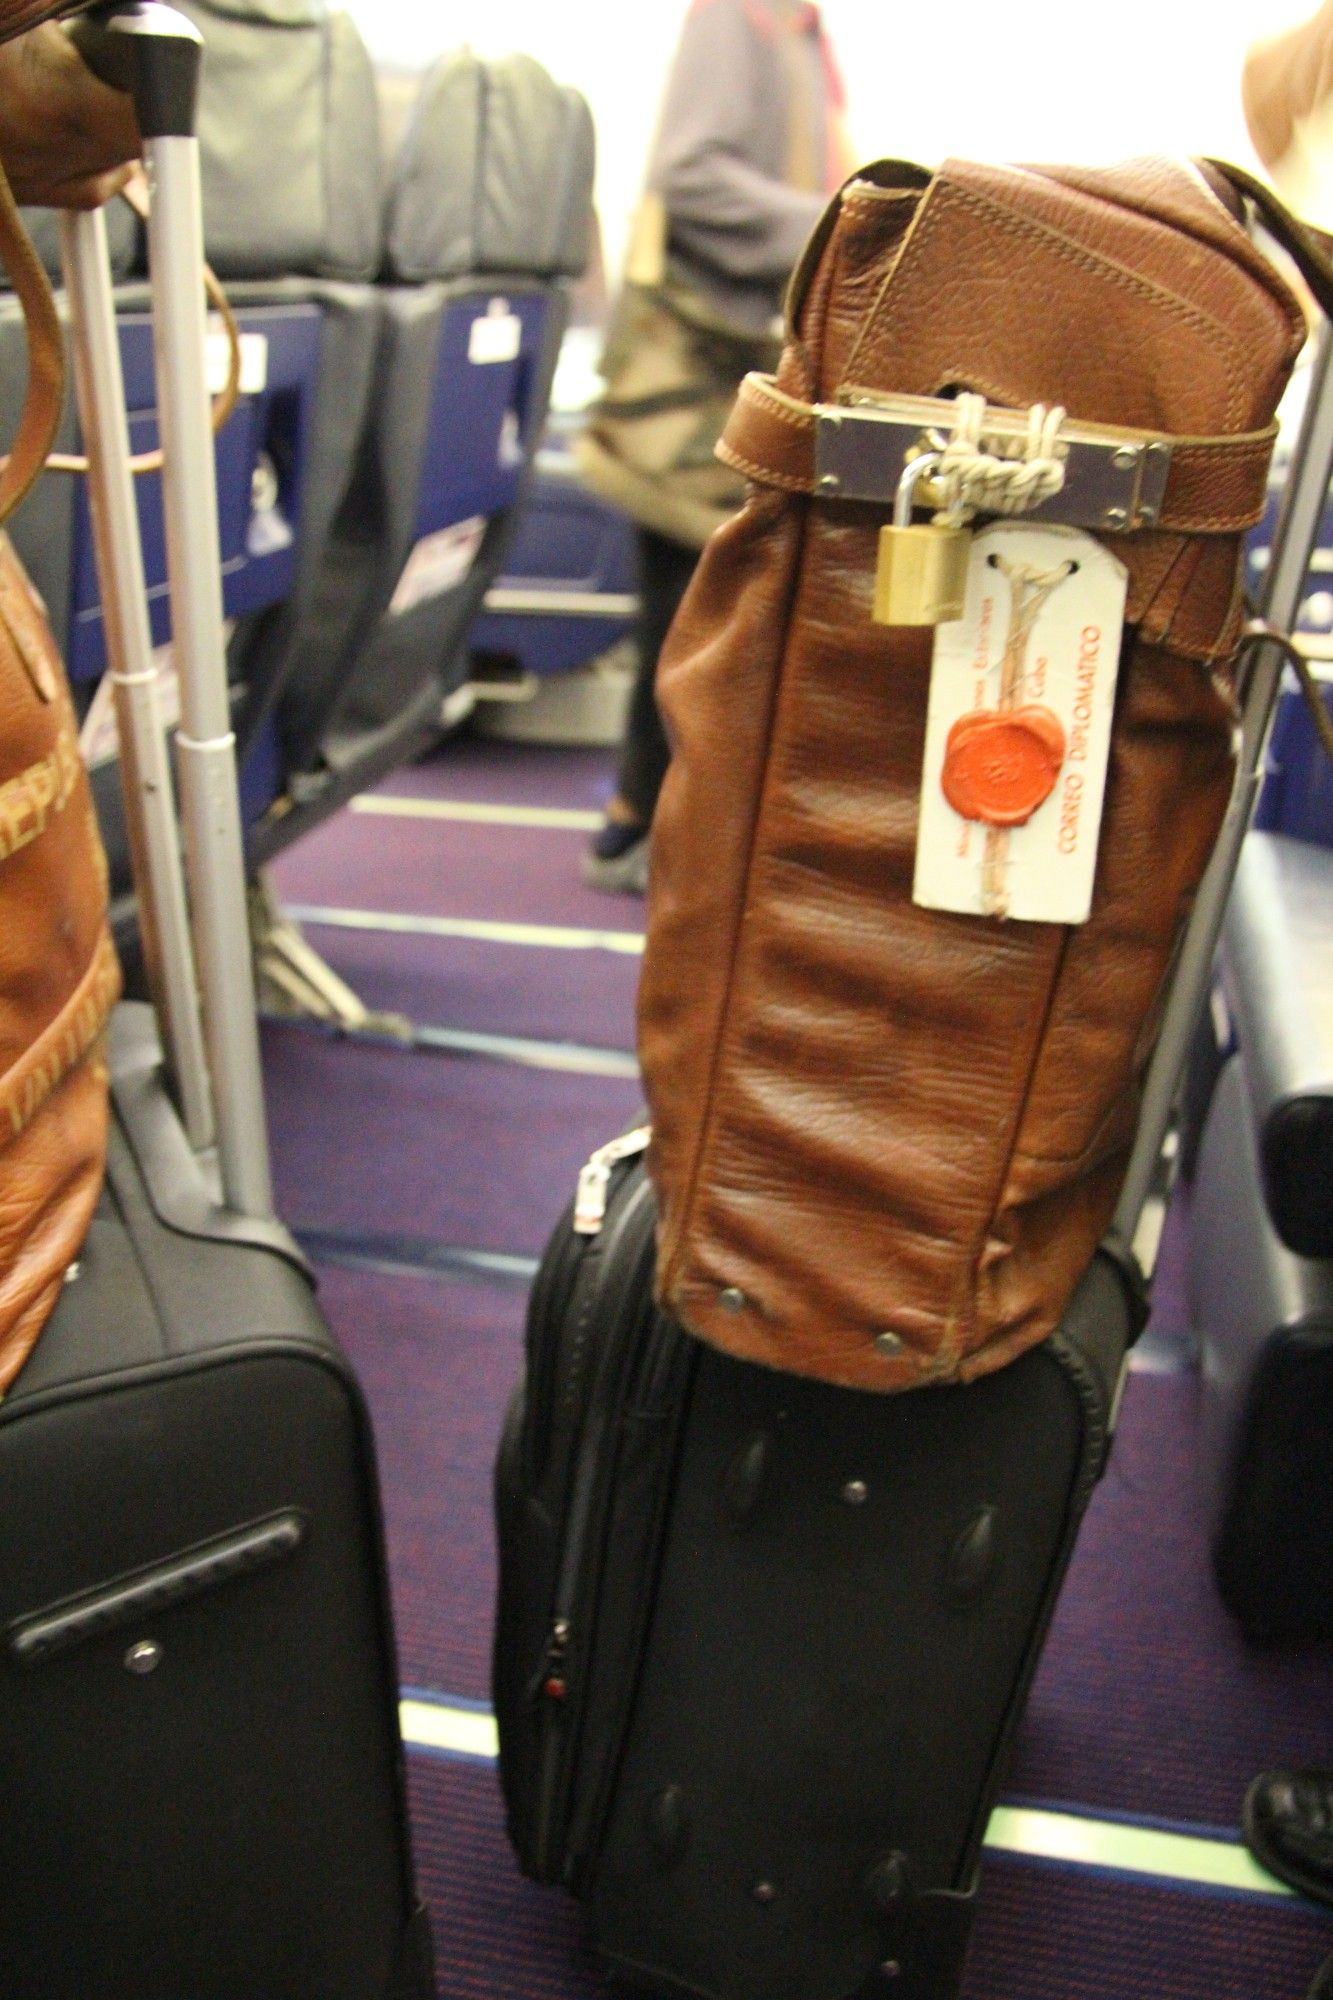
(437, 563)
(497, 335)
(254, 360)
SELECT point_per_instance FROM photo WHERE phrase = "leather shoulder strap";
(1309, 249)
(46, 356)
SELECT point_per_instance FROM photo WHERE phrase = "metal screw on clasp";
(732, 1300)
(856, 1493)
(144, 1657)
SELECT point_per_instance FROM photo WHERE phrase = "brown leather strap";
(1216, 485)
(46, 356)
(135, 195)
(1308, 248)
(17, 16)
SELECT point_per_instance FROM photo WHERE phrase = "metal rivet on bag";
(829, 482)
(764, 1892)
(856, 1493)
(73, 1272)
(142, 1659)
(888, 1344)
(1115, 517)
(1125, 458)
(891, 1969)
(732, 1300)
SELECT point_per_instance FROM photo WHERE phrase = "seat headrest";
(288, 141)
(494, 174)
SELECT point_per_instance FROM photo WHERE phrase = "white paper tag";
(496, 336)
(437, 563)
(217, 361)
(1018, 729)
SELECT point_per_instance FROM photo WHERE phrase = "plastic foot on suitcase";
(926, 1940)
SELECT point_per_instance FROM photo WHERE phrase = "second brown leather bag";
(887, 1139)
(59, 977)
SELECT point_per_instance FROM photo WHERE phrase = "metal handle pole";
(145, 766)
(206, 747)
(1289, 562)
(154, 52)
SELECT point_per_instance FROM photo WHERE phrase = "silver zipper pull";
(595, 1179)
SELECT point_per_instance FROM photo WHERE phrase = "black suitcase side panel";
(204, 1784)
(582, 1482)
(851, 1606)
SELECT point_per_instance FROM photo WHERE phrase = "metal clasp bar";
(1115, 480)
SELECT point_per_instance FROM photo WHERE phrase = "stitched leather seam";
(1026, 229)
(1119, 275)
(779, 412)
(764, 474)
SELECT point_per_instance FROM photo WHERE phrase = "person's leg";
(618, 858)
(665, 569)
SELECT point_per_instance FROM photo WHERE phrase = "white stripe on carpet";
(560, 818)
(547, 937)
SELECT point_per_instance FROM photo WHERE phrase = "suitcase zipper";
(551, 1685)
(595, 1178)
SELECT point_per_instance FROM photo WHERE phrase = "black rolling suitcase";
(749, 1708)
(762, 1644)
(201, 1771)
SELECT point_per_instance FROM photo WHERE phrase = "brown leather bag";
(58, 972)
(886, 1139)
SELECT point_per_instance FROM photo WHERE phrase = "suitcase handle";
(161, 1587)
(156, 52)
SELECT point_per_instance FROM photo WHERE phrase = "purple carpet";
(582, 996)
(418, 867)
(516, 774)
(1041, 1933)
(410, 1144)
(437, 1362)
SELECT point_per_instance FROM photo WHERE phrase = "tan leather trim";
(63, 1044)
(1216, 486)
(46, 356)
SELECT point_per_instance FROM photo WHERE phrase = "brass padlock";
(921, 572)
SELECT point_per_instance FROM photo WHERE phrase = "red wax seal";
(999, 767)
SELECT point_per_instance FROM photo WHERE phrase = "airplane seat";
(1261, 1246)
(293, 224)
(487, 220)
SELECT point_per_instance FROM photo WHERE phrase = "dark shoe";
(1323, 1982)
(1288, 1823)
(618, 858)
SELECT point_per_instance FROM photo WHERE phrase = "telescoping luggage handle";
(1266, 650)
(154, 53)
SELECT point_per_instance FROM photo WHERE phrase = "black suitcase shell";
(202, 1790)
(762, 1643)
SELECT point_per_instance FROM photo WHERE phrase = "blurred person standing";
(750, 144)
